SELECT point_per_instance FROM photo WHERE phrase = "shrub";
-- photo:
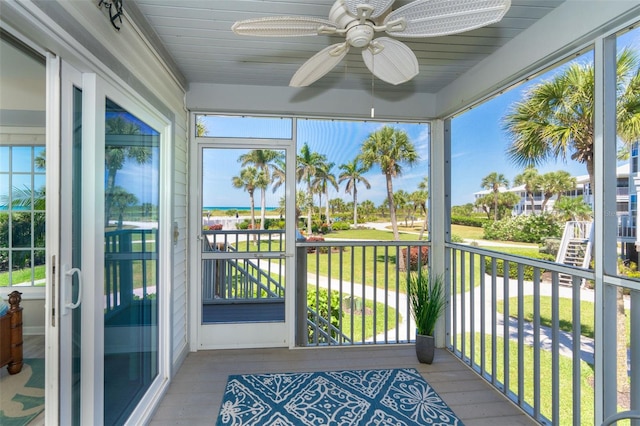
(313, 239)
(319, 302)
(414, 254)
(341, 226)
(456, 238)
(550, 246)
(527, 271)
(216, 227)
(478, 222)
(523, 228)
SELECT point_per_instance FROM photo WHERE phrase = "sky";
(478, 148)
(339, 141)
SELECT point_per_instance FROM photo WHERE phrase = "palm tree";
(25, 197)
(389, 148)
(423, 195)
(278, 173)
(249, 179)
(263, 159)
(556, 183)
(367, 207)
(324, 177)
(572, 208)
(401, 201)
(308, 164)
(353, 173)
(531, 181)
(336, 205)
(119, 198)
(555, 119)
(116, 155)
(40, 161)
(201, 128)
(493, 181)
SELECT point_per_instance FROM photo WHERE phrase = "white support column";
(605, 236)
(439, 210)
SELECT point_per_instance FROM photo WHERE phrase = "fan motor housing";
(360, 35)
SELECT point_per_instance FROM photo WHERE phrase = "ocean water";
(241, 209)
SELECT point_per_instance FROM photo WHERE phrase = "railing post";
(125, 247)
(302, 334)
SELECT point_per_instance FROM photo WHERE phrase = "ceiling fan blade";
(378, 7)
(390, 60)
(282, 26)
(319, 64)
(431, 18)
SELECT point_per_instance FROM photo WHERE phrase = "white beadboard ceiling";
(197, 35)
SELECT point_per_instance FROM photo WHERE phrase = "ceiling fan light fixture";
(360, 35)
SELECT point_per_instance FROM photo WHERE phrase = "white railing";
(359, 287)
(626, 227)
(512, 322)
(576, 230)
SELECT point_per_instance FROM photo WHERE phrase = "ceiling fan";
(358, 20)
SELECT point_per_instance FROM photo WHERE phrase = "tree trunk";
(253, 215)
(621, 331)
(424, 222)
(326, 208)
(621, 326)
(394, 220)
(309, 228)
(262, 207)
(111, 183)
(533, 204)
(355, 206)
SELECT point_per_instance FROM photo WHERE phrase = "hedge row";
(513, 266)
(478, 222)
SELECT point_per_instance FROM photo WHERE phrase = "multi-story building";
(624, 200)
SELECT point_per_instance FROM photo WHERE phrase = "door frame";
(254, 335)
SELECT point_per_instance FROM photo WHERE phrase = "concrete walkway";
(565, 340)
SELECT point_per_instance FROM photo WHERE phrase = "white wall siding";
(180, 264)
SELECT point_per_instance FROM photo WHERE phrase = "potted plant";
(426, 296)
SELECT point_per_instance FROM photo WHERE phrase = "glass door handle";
(67, 289)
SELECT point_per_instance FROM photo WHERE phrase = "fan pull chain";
(373, 110)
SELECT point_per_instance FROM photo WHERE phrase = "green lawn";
(24, 276)
(565, 314)
(370, 234)
(360, 333)
(468, 232)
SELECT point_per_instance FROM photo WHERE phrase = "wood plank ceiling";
(197, 34)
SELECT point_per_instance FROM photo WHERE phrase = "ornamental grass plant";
(426, 295)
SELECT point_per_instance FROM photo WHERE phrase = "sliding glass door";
(113, 309)
(131, 290)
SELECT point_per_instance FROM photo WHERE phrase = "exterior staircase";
(575, 247)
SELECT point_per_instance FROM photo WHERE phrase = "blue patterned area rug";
(399, 397)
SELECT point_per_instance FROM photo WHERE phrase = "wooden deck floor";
(194, 396)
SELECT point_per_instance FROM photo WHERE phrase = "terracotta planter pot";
(425, 347)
